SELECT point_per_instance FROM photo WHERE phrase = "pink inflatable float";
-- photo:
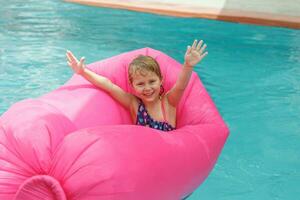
(77, 143)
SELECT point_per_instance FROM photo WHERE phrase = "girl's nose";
(147, 87)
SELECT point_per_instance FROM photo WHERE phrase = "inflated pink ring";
(82, 144)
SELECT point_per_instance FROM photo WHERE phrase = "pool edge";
(238, 16)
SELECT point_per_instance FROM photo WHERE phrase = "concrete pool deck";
(263, 12)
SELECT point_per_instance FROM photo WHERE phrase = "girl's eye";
(140, 84)
(152, 81)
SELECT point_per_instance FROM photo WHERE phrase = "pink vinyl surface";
(76, 142)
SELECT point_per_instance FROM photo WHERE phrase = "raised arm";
(100, 81)
(194, 54)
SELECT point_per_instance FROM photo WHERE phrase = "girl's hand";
(77, 66)
(194, 54)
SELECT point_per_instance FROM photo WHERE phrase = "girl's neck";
(152, 104)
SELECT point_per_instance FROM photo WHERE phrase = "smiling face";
(146, 85)
(145, 77)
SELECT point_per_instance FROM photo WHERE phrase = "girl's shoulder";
(134, 103)
(134, 107)
(170, 111)
(166, 102)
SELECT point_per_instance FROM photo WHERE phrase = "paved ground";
(266, 12)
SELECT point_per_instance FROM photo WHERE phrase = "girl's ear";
(130, 84)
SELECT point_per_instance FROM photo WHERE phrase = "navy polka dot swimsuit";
(144, 119)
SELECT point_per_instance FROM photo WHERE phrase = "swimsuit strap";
(163, 109)
(144, 119)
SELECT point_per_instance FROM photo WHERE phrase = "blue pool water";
(252, 73)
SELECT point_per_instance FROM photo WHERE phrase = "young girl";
(149, 106)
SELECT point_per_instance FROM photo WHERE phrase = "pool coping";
(177, 10)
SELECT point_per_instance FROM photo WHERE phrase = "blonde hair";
(143, 64)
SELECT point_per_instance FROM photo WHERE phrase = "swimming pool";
(252, 73)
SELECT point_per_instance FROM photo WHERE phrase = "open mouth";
(148, 94)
